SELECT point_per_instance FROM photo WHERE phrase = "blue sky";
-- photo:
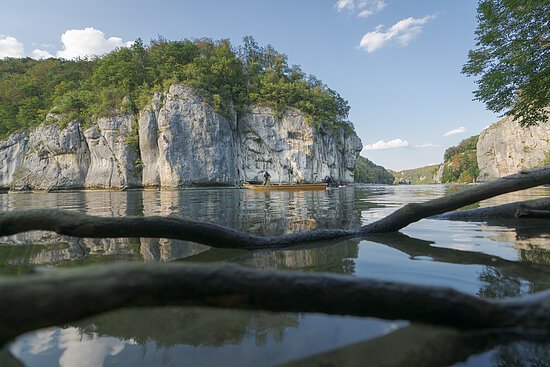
(397, 62)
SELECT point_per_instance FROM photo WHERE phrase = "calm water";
(491, 260)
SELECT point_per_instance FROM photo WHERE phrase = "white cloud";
(40, 54)
(371, 7)
(86, 350)
(88, 42)
(460, 130)
(426, 145)
(403, 32)
(345, 4)
(10, 47)
(381, 144)
(365, 8)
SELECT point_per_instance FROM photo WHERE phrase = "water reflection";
(492, 260)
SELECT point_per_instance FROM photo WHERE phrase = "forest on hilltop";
(366, 171)
(124, 80)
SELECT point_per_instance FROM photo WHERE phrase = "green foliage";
(125, 80)
(513, 58)
(460, 162)
(366, 171)
(272, 82)
(546, 160)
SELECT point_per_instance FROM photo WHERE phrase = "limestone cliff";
(505, 148)
(53, 157)
(112, 159)
(292, 150)
(182, 142)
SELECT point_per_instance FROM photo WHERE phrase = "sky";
(397, 62)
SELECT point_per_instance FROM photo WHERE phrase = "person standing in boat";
(267, 177)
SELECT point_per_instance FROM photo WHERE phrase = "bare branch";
(62, 296)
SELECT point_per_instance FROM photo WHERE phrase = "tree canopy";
(124, 81)
(512, 58)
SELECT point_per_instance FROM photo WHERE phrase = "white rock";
(505, 148)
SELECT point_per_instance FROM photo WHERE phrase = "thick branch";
(81, 225)
(58, 297)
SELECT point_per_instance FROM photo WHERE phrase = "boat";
(297, 187)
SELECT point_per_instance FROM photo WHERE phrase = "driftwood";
(82, 225)
(58, 297)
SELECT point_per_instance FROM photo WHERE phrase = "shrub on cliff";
(228, 77)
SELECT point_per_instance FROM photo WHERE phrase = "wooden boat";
(297, 187)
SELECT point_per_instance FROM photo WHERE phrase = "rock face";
(52, 158)
(11, 154)
(505, 148)
(292, 150)
(182, 142)
(113, 161)
(438, 176)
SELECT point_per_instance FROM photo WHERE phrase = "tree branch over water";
(61, 296)
(82, 225)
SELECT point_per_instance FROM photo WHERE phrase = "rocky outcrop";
(438, 176)
(292, 150)
(53, 157)
(11, 154)
(505, 148)
(180, 141)
(184, 142)
(113, 160)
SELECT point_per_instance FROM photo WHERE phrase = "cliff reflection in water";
(263, 213)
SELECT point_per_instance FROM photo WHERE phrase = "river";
(491, 260)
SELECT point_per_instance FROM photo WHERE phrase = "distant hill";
(367, 172)
(416, 176)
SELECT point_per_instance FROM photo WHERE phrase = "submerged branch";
(82, 225)
(61, 296)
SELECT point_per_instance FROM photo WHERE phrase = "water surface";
(490, 260)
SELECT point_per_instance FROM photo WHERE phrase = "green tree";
(513, 58)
